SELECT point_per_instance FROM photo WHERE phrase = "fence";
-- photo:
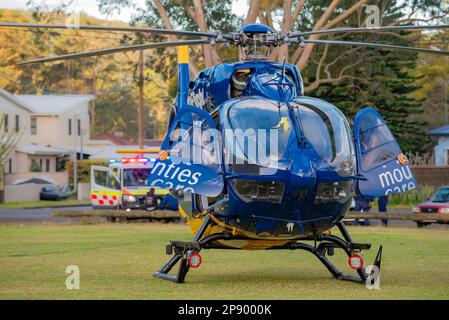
(22, 192)
(431, 175)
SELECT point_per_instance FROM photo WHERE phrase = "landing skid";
(324, 246)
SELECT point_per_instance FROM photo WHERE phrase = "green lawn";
(43, 204)
(117, 261)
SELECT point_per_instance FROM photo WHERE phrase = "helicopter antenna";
(283, 66)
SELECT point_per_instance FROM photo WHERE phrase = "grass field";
(117, 261)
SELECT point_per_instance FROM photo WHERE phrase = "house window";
(6, 125)
(17, 123)
(70, 127)
(47, 165)
(10, 166)
(33, 126)
(78, 125)
(35, 166)
(61, 163)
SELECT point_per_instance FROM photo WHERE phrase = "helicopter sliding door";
(191, 155)
(379, 158)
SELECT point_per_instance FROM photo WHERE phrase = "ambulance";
(122, 185)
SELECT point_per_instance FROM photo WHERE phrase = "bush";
(414, 196)
(83, 169)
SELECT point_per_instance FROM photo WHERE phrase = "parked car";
(52, 192)
(438, 204)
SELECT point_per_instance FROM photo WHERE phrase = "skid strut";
(182, 252)
(324, 246)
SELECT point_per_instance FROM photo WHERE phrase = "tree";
(433, 80)
(97, 75)
(8, 140)
(325, 14)
(356, 77)
(198, 15)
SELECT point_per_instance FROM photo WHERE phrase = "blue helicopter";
(254, 163)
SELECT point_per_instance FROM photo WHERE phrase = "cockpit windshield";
(260, 133)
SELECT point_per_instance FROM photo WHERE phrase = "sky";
(239, 7)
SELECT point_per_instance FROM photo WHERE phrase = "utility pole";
(75, 173)
(446, 81)
(140, 120)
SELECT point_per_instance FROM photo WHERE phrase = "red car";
(438, 203)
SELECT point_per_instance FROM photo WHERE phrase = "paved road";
(35, 215)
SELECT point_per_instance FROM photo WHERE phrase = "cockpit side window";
(239, 80)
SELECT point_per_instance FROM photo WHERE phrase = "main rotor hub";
(256, 40)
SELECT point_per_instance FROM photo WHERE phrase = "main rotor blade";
(377, 45)
(118, 49)
(111, 28)
(297, 34)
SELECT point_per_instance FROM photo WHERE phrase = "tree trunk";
(309, 47)
(307, 51)
(200, 20)
(167, 24)
(286, 26)
(253, 11)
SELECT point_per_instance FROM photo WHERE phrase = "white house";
(442, 148)
(54, 127)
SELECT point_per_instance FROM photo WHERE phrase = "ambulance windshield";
(135, 177)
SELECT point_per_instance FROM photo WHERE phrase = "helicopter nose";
(303, 174)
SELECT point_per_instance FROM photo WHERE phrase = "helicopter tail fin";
(183, 77)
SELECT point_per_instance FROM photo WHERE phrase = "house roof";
(118, 141)
(52, 104)
(15, 100)
(35, 149)
(153, 142)
(439, 132)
